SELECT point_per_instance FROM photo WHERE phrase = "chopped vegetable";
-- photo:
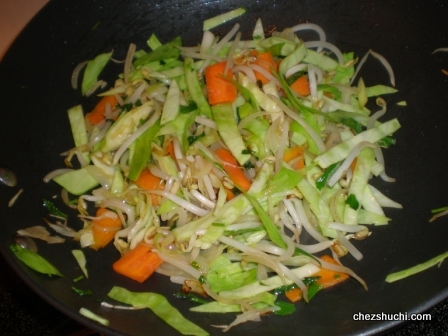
(219, 90)
(266, 61)
(82, 292)
(92, 71)
(81, 259)
(301, 85)
(76, 182)
(286, 308)
(34, 260)
(52, 209)
(232, 168)
(91, 315)
(148, 181)
(417, 268)
(138, 264)
(322, 279)
(294, 156)
(165, 51)
(160, 306)
(97, 114)
(222, 18)
(104, 228)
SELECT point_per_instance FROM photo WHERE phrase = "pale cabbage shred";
(193, 196)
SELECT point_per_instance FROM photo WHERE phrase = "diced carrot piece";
(230, 194)
(330, 278)
(326, 279)
(294, 295)
(170, 150)
(138, 264)
(147, 181)
(104, 229)
(301, 86)
(219, 90)
(266, 61)
(295, 155)
(97, 114)
(232, 168)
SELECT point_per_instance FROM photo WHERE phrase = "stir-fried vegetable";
(417, 268)
(160, 306)
(34, 260)
(210, 164)
(138, 264)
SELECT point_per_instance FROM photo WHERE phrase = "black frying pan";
(35, 93)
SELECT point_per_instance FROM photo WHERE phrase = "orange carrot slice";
(235, 172)
(266, 61)
(294, 295)
(219, 90)
(147, 181)
(138, 264)
(295, 155)
(301, 86)
(327, 278)
(330, 278)
(104, 229)
(97, 114)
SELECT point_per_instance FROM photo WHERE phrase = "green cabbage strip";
(166, 51)
(34, 260)
(160, 306)
(91, 315)
(81, 260)
(222, 18)
(92, 71)
(417, 268)
(78, 127)
(340, 152)
(269, 225)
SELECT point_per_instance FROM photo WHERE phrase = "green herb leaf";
(313, 289)
(193, 138)
(356, 126)
(248, 164)
(190, 297)
(387, 141)
(352, 202)
(322, 180)
(82, 292)
(187, 109)
(286, 308)
(52, 209)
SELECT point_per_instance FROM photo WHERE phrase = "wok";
(35, 93)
